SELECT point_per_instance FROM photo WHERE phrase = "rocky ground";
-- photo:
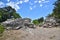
(32, 34)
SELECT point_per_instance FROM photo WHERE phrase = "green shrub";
(1, 29)
(35, 22)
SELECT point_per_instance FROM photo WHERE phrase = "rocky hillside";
(32, 34)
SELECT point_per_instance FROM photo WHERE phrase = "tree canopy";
(56, 10)
(35, 22)
(7, 13)
(38, 21)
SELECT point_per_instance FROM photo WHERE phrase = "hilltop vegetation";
(56, 10)
(38, 21)
(8, 13)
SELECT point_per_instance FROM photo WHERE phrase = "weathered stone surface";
(18, 23)
(51, 22)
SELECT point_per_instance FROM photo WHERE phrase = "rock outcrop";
(18, 23)
(51, 22)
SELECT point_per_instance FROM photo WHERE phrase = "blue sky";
(33, 9)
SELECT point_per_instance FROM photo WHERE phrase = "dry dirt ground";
(32, 34)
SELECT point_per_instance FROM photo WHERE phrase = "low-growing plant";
(1, 28)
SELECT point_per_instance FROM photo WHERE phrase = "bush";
(35, 22)
(1, 29)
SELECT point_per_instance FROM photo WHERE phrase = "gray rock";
(18, 23)
(51, 22)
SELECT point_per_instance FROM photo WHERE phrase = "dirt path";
(33, 34)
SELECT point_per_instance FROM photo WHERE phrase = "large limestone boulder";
(18, 23)
(13, 24)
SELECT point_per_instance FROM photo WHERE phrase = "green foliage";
(1, 29)
(40, 20)
(35, 22)
(8, 13)
(56, 10)
(16, 15)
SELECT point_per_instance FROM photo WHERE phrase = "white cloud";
(35, 1)
(30, 8)
(43, 0)
(39, 1)
(8, 0)
(46, 1)
(33, 4)
(13, 5)
(1, 4)
(21, 2)
(26, 0)
(17, 7)
(41, 5)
